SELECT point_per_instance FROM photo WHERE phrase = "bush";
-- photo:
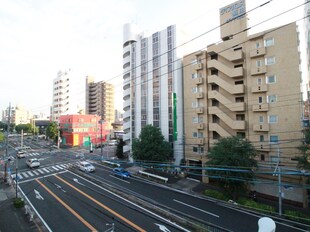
(216, 194)
(256, 206)
(297, 216)
(18, 202)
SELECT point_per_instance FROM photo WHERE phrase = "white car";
(86, 167)
(33, 163)
(21, 154)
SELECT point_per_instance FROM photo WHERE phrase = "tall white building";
(152, 79)
(65, 95)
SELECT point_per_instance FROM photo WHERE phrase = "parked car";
(33, 163)
(86, 167)
(21, 154)
(112, 143)
(121, 172)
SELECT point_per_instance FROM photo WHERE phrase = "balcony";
(198, 66)
(200, 126)
(260, 107)
(233, 89)
(199, 95)
(258, 70)
(199, 81)
(261, 127)
(258, 52)
(259, 88)
(200, 141)
(199, 110)
(231, 72)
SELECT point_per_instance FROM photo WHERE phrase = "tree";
(233, 159)
(304, 159)
(2, 137)
(151, 145)
(119, 149)
(27, 128)
(52, 130)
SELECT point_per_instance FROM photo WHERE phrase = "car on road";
(121, 172)
(21, 154)
(33, 163)
(86, 167)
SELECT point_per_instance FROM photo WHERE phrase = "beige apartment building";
(100, 99)
(247, 86)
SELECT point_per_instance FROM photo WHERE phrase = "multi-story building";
(82, 130)
(247, 86)
(152, 84)
(18, 115)
(65, 95)
(100, 99)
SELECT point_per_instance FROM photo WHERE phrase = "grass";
(297, 216)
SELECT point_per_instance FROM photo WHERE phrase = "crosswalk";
(41, 153)
(40, 171)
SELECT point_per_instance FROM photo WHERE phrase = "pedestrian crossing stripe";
(40, 171)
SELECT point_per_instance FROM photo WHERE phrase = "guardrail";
(165, 179)
(111, 163)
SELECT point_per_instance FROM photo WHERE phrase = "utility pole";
(22, 138)
(278, 169)
(101, 121)
(7, 143)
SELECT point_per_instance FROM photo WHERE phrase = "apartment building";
(152, 84)
(99, 99)
(18, 115)
(247, 86)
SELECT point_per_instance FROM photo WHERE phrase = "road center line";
(180, 202)
(67, 207)
(102, 205)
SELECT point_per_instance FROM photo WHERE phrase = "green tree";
(304, 159)
(151, 146)
(2, 137)
(27, 128)
(52, 130)
(233, 159)
(119, 149)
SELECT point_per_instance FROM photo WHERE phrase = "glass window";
(271, 98)
(261, 138)
(261, 119)
(269, 42)
(200, 135)
(257, 45)
(195, 134)
(273, 118)
(270, 60)
(271, 79)
(194, 90)
(259, 63)
(273, 138)
(260, 99)
(259, 81)
(194, 75)
(195, 119)
(195, 149)
(195, 104)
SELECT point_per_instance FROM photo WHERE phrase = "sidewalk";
(12, 219)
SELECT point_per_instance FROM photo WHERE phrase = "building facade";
(152, 84)
(100, 99)
(18, 115)
(247, 86)
(82, 130)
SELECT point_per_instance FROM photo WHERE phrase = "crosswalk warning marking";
(45, 169)
(24, 174)
(35, 172)
(55, 168)
(30, 173)
(41, 171)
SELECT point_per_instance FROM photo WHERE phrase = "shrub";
(216, 194)
(18, 202)
(256, 206)
(297, 216)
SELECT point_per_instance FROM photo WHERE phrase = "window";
(257, 45)
(260, 99)
(261, 119)
(269, 42)
(273, 119)
(259, 81)
(195, 135)
(271, 79)
(195, 149)
(195, 104)
(194, 75)
(271, 98)
(259, 63)
(262, 157)
(261, 138)
(273, 139)
(270, 60)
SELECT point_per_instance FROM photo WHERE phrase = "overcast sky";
(40, 37)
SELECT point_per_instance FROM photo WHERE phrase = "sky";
(40, 37)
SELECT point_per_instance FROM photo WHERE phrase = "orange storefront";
(82, 130)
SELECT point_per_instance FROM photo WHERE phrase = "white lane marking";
(30, 173)
(119, 178)
(55, 168)
(180, 202)
(58, 166)
(41, 171)
(19, 177)
(35, 172)
(46, 170)
(24, 174)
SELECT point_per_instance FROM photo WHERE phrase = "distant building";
(65, 95)
(118, 116)
(19, 115)
(152, 84)
(82, 130)
(100, 99)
